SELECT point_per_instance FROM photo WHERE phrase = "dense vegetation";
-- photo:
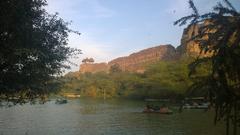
(163, 79)
(33, 49)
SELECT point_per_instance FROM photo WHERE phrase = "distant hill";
(136, 62)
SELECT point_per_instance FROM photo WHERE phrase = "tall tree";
(219, 35)
(33, 47)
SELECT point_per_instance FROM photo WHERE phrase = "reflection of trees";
(219, 36)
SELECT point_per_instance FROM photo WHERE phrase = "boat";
(195, 103)
(197, 106)
(163, 110)
(156, 100)
(61, 101)
(158, 112)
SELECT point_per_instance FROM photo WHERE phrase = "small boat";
(155, 100)
(202, 106)
(195, 103)
(160, 111)
(61, 101)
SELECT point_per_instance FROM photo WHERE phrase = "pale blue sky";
(113, 28)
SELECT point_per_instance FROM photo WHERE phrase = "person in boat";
(181, 106)
(164, 109)
(148, 108)
(195, 104)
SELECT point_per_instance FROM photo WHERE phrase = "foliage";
(92, 85)
(160, 80)
(115, 68)
(33, 48)
(88, 60)
(219, 36)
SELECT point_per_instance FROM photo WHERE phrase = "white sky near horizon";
(114, 28)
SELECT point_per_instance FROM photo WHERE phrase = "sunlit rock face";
(136, 62)
(189, 46)
(94, 67)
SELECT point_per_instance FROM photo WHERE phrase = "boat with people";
(61, 101)
(195, 103)
(155, 109)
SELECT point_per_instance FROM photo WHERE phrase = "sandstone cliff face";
(191, 48)
(135, 62)
(94, 67)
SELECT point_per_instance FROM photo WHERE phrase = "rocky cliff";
(189, 46)
(137, 62)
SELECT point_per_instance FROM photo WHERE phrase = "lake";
(98, 117)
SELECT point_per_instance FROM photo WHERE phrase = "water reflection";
(96, 117)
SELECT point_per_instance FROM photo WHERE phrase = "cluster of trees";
(164, 79)
(33, 49)
(88, 60)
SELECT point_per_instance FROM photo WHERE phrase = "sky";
(114, 28)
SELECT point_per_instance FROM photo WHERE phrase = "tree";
(219, 36)
(88, 60)
(91, 60)
(33, 48)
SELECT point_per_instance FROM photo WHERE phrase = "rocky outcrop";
(94, 67)
(136, 62)
(189, 46)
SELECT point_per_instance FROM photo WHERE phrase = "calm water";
(96, 117)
